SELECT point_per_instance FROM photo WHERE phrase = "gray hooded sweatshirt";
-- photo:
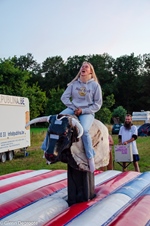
(87, 96)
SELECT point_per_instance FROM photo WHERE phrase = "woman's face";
(85, 69)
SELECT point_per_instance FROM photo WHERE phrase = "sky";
(49, 28)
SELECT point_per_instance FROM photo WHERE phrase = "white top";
(127, 135)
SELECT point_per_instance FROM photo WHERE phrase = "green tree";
(54, 104)
(119, 114)
(103, 65)
(12, 79)
(105, 114)
(53, 69)
(144, 82)
(127, 70)
(26, 63)
(37, 100)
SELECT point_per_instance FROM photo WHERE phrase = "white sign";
(123, 153)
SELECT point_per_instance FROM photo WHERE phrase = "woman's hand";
(78, 111)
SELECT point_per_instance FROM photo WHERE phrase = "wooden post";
(80, 186)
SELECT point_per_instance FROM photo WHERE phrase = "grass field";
(36, 161)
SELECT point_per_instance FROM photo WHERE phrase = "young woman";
(111, 144)
(83, 97)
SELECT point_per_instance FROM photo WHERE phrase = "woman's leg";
(67, 111)
(110, 164)
(86, 121)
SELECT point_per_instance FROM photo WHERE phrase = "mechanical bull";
(63, 143)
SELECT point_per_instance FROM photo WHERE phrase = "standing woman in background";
(83, 98)
(111, 144)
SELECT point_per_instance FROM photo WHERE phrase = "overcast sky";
(65, 28)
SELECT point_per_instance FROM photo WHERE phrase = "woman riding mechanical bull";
(83, 98)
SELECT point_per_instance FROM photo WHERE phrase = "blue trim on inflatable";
(55, 192)
(148, 223)
(103, 199)
(110, 206)
(22, 177)
(129, 192)
(99, 179)
(133, 188)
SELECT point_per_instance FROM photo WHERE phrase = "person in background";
(110, 164)
(128, 134)
(83, 98)
(111, 144)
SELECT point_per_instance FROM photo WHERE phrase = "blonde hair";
(93, 75)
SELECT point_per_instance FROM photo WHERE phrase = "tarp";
(144, 130)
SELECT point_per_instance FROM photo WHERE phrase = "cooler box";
(123, 153)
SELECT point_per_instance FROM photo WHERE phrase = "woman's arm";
(65, 98)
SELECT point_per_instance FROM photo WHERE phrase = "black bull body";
(62, 133)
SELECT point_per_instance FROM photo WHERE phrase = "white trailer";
(14, 114)
(139, 118)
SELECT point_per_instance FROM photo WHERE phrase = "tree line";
(125, 82)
